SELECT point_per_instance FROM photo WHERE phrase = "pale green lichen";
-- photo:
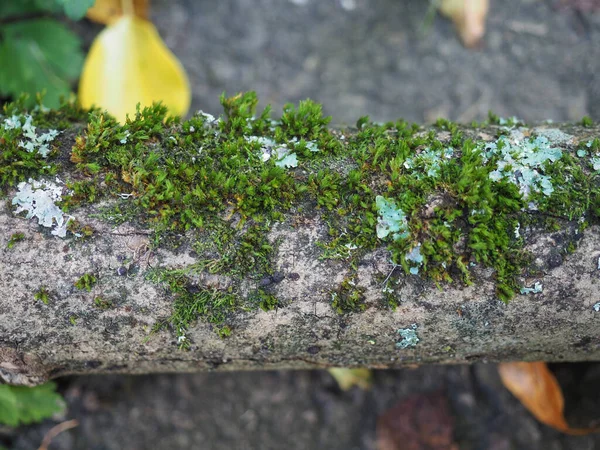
(415, 257)
(32, 142)
(391, 220)
(428, 161)
(280, 152)
(38, 199)
(409, 337)
(537, 288)
(522, 163)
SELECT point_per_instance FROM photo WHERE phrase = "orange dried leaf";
(537, 389)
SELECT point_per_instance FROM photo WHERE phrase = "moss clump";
(14, 238)
(225, 250)
(266, 301)
(587, 122)
(192, 302)
(102, 303)
(348, 297)
(87, 282)
(43, 295)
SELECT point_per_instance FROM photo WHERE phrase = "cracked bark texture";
(454, 324)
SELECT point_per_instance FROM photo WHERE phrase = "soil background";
(540, 60)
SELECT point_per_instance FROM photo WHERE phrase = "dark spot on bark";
(192, 288)
(121, 258)
(265, 282)
(294, 276)
(93, 364)
(122, 271)
(555, 259)
(583, 342)
(313, 350)
(65, 249)
(193, 254)
(278, 277)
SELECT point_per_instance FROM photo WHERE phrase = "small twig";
(55, 431)
(390, 274)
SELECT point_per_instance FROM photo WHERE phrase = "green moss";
(14, 238)
(78, 229)
(348, 297)
(102, 303)
(193, 302)
(266, 301)
(87, 281)
(225, 250)
(587, 122)
(43, 295)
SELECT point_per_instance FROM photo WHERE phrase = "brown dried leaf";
(468, 17)
(537, 389)
(421, 422)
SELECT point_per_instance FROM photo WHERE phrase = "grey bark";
(454, 324)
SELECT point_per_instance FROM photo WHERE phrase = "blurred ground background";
(540, 60)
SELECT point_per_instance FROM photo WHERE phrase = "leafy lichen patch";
(408, 337)
(38, 199)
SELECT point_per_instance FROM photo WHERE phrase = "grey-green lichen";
(408, 337)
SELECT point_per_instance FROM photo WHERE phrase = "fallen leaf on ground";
(468, 17)
(129, 63)
(421, 422)
(537, 389)
(347, 378)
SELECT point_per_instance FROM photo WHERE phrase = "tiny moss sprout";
(43, 295)
(587, 122)
(14, 238)
(86, 281)
(102, 303)
(348, 297)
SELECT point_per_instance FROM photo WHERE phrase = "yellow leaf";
(468, 17)
(129, 64)
(107, 11)
(537, 389)
(347, 378)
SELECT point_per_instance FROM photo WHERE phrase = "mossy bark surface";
(102, 298)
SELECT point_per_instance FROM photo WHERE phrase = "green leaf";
(41, 54)
(22, 8)
(25, 405)
(8, 406)
(76, 9)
